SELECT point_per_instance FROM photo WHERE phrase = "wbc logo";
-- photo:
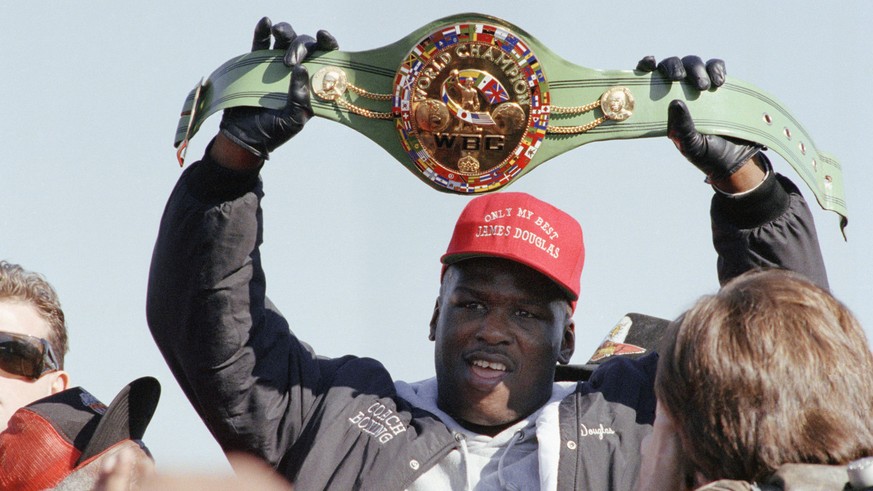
(473, 106)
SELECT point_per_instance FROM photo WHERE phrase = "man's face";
(500, 328)
(17, 391)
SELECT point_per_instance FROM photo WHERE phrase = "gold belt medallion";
(472, 106)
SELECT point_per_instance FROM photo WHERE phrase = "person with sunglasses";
(33, 340)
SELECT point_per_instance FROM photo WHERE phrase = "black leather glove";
(690, 69)
(262, 130)
(717, 156)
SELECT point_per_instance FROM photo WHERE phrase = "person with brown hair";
(33, 340)
(50, 432)
(769, 371)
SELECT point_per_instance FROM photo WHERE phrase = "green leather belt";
(469, 103)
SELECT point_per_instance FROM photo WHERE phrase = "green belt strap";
(532, 105)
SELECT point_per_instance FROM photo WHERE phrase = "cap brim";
(646, 332)
(127, 416)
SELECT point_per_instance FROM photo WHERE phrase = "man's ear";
(61, 381)
(433, 320)
(568, 342)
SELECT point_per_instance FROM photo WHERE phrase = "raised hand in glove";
(717, 156)
(690, 69)
(260, 130)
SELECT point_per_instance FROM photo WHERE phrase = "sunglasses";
(27, 356)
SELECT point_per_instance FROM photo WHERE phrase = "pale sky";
(92, 93)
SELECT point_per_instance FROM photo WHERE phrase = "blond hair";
(16, 283)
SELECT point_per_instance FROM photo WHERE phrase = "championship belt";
(470, 103)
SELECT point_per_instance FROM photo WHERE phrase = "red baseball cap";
(51, 438)
(524, 229)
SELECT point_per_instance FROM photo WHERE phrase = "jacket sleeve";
(769, 227)
(251, 381)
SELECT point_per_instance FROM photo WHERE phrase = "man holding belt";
(492, 418)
